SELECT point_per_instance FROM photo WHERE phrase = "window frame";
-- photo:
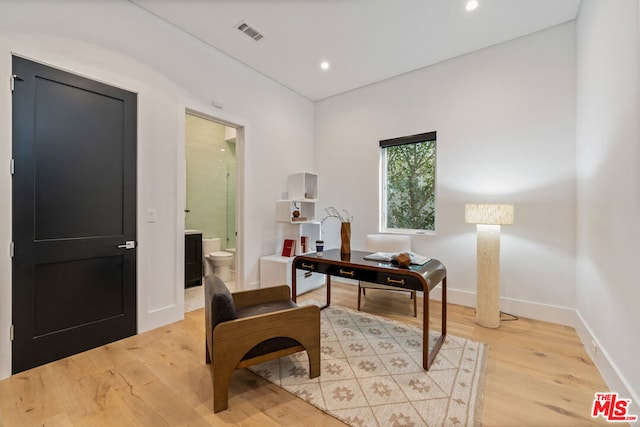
(393, 142)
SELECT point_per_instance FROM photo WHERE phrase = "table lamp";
(488, 218)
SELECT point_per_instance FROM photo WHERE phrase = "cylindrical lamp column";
(488, 218)
(488, 270)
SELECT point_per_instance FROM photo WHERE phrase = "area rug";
(371, 374)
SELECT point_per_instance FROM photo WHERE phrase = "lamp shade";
(495, 214)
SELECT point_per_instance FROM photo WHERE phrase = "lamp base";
(487, 324)
(511, 317)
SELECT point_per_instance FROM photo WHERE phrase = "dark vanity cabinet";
(192, 259)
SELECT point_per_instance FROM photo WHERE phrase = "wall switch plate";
(151, 215)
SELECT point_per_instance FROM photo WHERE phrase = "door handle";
(129, 244)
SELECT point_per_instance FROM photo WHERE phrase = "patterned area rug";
(371, 374)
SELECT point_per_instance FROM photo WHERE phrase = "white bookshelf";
(302, 195)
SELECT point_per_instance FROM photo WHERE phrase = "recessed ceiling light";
(471, 5)
(325, 65)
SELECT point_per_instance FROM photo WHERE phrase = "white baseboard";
(548, 313)
(533, 310)
(609, 371)
(156, 318)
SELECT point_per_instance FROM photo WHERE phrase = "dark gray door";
(74, 206)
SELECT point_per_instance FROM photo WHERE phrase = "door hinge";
(12, 166)
(13, 79)
(11, 249)
(12, 333)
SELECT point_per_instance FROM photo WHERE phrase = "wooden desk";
(419, 277)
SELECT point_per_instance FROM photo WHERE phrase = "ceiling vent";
(250, 31)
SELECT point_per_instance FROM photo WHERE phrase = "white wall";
(118, 43)
(505, 118)
(608, 152)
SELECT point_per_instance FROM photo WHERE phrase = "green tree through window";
(409, 182)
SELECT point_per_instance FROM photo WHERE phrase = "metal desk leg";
(428, 357)
(444, 306)
(425, 330)
(294, 288)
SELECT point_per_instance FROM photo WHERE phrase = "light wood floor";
(538, 374)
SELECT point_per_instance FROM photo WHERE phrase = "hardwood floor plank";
(538, 373)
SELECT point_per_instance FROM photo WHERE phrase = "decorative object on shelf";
(345, 219)
(303, 244)
(292, 211)
(295, 215)
(488, 218)
(289, 247)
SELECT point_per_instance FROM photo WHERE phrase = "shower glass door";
(231, 205)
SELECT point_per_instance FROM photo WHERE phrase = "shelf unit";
(295, 231)
(302, 186)
(302, 195)
(286, 208)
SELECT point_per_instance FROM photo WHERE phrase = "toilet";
(216, 261)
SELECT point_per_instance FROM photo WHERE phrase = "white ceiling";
(364, 40)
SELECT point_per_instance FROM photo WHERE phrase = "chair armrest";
(258, 296)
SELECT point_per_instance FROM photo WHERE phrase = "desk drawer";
(310, 266)
(364, 274)
(398, 281)
(346, 272)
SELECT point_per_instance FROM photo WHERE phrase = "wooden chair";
(387, 243)
(249, 327)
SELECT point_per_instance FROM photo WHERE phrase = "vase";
(345, 238)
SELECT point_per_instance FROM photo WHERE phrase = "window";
(408, 171)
